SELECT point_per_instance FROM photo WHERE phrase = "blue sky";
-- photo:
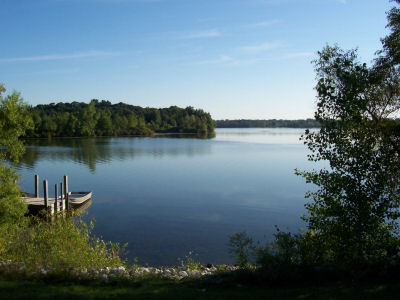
(232, 58)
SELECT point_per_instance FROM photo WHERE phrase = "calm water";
(168, 196)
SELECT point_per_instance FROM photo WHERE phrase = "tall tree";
(14, 121)
(355, 209)
(390, 54)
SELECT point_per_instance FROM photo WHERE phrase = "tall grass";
(61, 244)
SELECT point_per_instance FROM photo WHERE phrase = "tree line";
(243, 123)
(101, 118)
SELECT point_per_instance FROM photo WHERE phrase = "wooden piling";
(66, 192)
(62, 206)
(55, 198)
(36, 186)
(46, 193)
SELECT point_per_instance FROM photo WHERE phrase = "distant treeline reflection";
(92, 151)
(306, 123)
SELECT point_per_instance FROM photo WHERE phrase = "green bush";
(286, 251)
(12, 208)
(291, 250)
(191, 261)
(60, 245)
(242, 248)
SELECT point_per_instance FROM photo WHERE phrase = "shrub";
(242, 248)
(60, 245)
(284, 252)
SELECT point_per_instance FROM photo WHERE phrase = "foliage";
(355, 209)
(14, 121)
(12, 208)
(61, 244)
(241, 247)
(308, 123)
(191, 262)
(285, 252)
(389, 56)
(101, 118)
(353, 216)
(288, 251)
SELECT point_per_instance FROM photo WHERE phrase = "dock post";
(46, 193)
(66, 192)
(62, 198)
(36, 186)
(55, 199)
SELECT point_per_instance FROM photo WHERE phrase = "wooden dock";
(62, 201)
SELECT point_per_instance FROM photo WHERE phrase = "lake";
(167, 196)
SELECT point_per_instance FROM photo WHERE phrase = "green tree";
(88, 120)
(355, 208)
(14, 121)
(104, 125)
(390, 54)
(49, 126)
(71, 127)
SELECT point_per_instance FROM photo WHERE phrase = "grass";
(167, 289)
(60, 244)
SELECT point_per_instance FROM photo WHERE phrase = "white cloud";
(299, 54)
(55, 71)
(201, 34)
(225, 60)
(262, 47)
(87, 54)
(264, 23)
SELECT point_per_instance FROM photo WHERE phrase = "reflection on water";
(168, 196)
(262, 135)
(92, 151)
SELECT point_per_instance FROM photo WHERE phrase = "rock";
(118, 271)
(183, 274)
(106, 274)
(43, 271)
(195, 273)
(104, 277)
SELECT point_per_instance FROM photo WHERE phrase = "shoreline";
(107, 274)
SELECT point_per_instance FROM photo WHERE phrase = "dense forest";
(101, 118)
(308, 123)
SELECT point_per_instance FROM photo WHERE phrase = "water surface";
(167, 196)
